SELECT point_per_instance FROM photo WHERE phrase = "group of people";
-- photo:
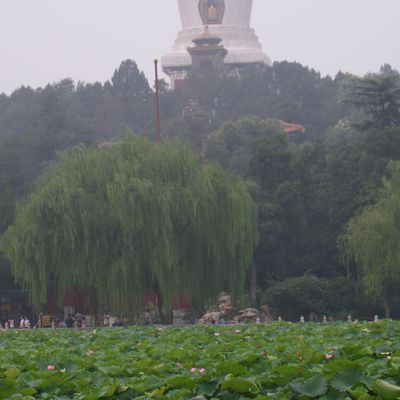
(24, 323)
(112, 321)
(8, 324)
(72, 321)
(76, 321)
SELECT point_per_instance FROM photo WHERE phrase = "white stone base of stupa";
(241, 42)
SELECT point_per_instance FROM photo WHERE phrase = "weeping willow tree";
(118, 221)
(372, 241)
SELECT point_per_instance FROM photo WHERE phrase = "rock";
(225, 304)
(215, 313)
(267, 314)
(248, 315)
(210, 318)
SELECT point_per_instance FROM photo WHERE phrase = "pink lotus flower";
(51, 367)
(193, 370)
(329, 356)
(237, 331)
(202, 371)
(217, 334)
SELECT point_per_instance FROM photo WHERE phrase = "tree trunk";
(387, 303)
(253, 285)
(164, 319)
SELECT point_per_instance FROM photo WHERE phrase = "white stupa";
(226, 19)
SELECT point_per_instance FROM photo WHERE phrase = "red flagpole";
(157, 103)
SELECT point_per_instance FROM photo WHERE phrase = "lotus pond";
(276, 361)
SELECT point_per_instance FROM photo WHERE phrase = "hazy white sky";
(44, 41)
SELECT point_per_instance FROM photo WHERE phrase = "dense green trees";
(306, 186)
(286, 91)
(315, 297)
(378, 95)
(307, 193)
(119, 220)
(288, 182)
(35, 124)
(372, 241)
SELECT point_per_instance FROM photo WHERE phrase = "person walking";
(27, 323)
(147, 317)
(69, 322)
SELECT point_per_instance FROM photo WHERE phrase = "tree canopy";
(377, 95)
(372, 241)
(125, 218)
